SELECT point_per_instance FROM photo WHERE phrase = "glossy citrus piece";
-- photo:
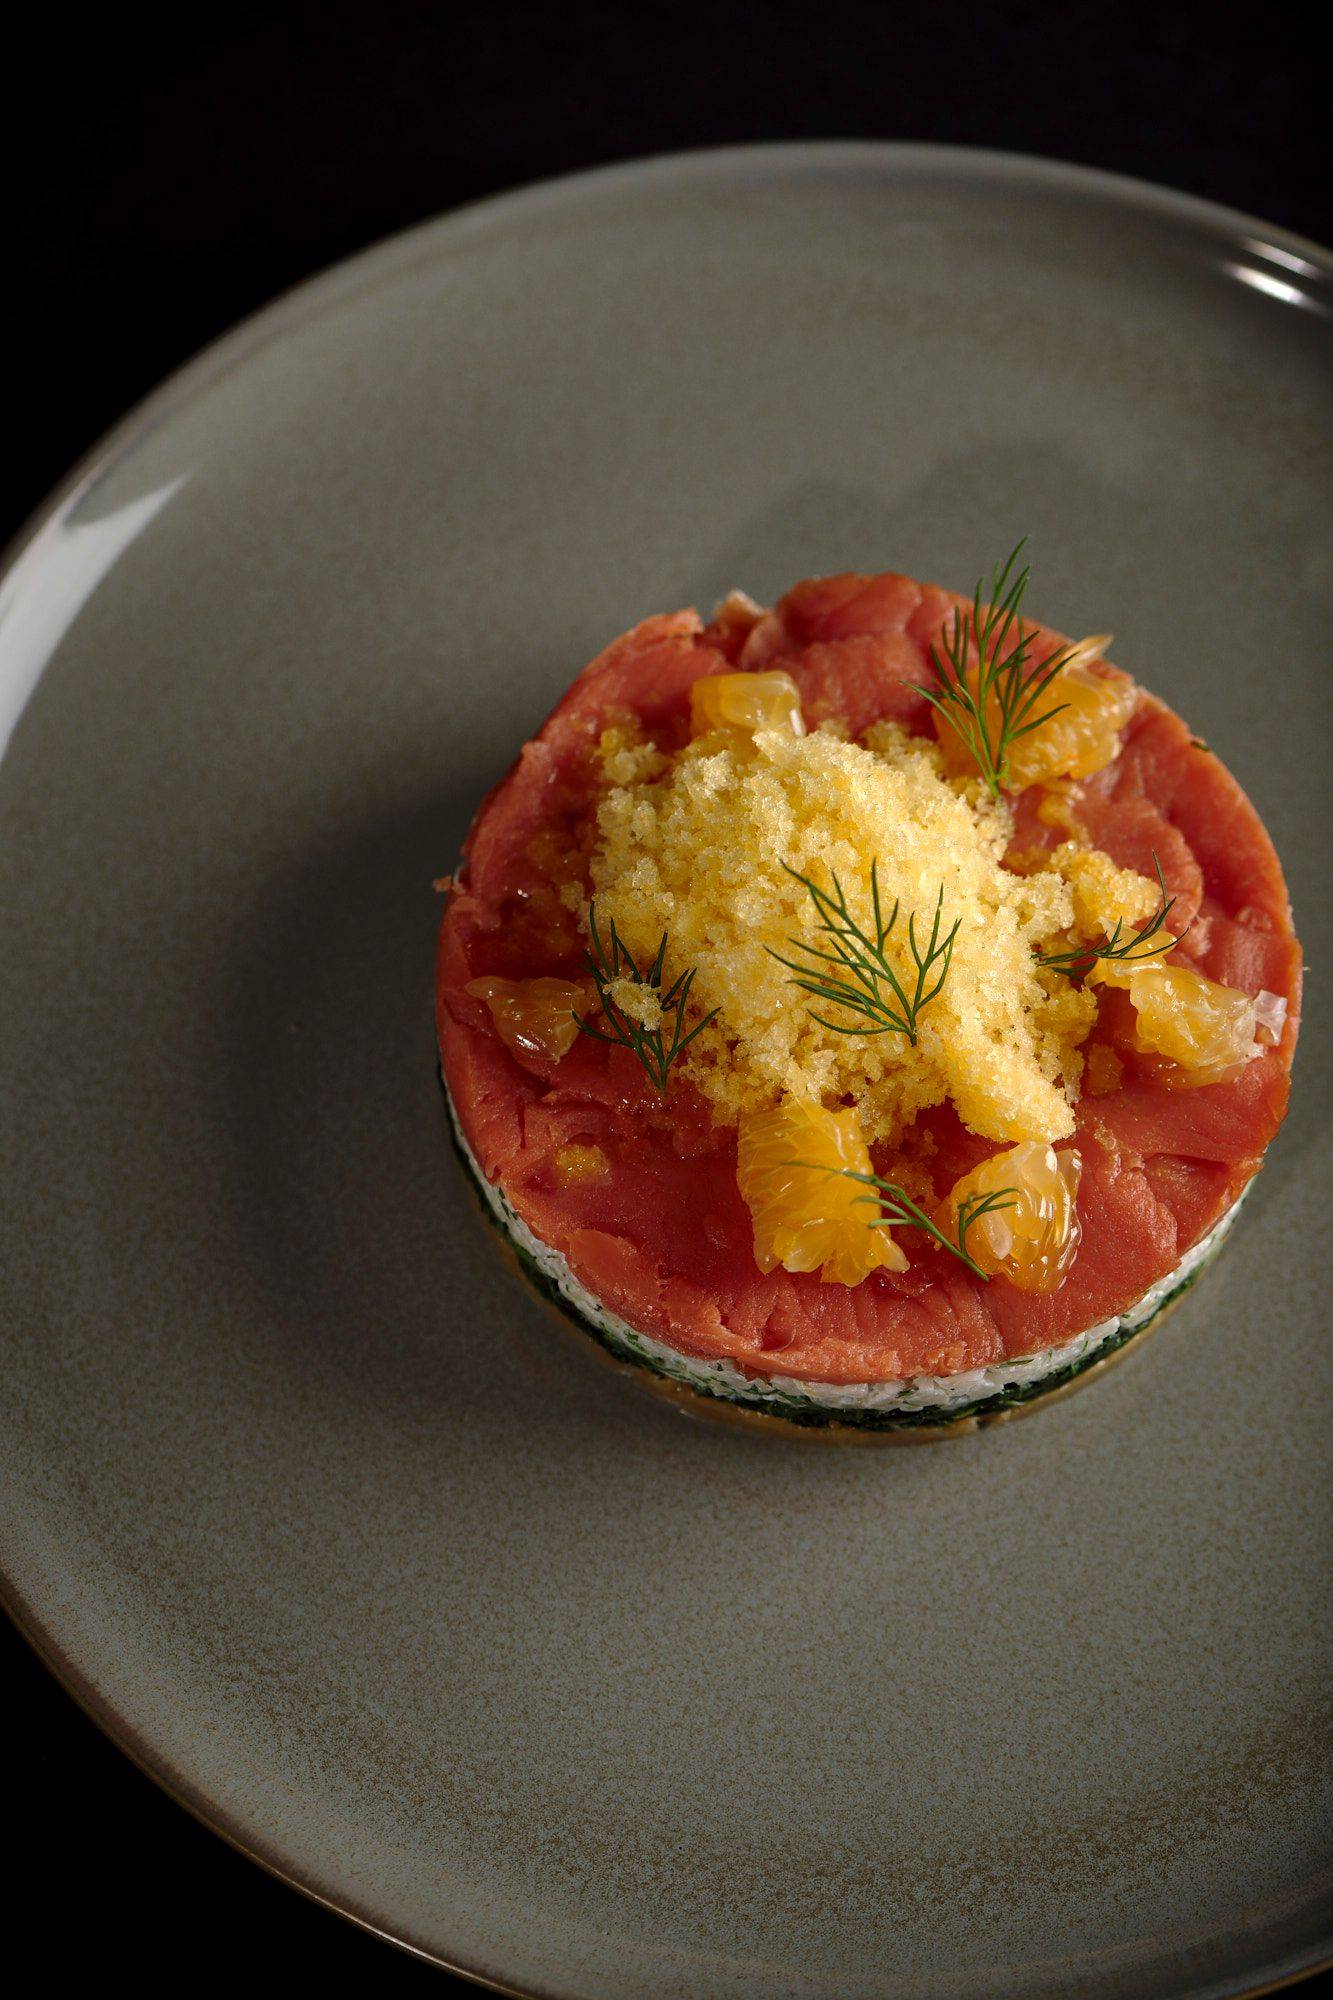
(534, 1018)
(1209, 1030)
(1033, 1242)
(746, 702)
(1144, 956)
(792, 1170)
(1082, 738)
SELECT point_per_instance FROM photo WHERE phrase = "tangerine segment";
(1209, 1030)
(746, 702)
(1145, 954)
(792, 1168)
(1035, 1239)
(534, 1018)
(1082, 738)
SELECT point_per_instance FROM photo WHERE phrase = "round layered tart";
(867, 1013)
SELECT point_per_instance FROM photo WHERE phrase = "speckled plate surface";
(317, 1510)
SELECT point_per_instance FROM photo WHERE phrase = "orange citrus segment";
(1144, 956)
(745, 702)
(792, 1170)
(1084, 737)
(1033, 1242)
(533, 1017)
(1208, 1029)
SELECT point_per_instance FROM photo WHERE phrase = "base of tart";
(919, 1408)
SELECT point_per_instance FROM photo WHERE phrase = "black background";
(165, 179)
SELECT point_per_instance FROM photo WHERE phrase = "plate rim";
(292, 303)
(299, 303)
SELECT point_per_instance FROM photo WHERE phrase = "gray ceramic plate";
(321, 1515)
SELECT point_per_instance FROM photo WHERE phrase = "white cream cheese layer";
(782, 1393)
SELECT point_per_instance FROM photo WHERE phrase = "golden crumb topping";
(707, 847)
(1104, 895)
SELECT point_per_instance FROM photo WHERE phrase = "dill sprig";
(897, 1210)
(1002, 677)
(1133, 950)
(650, 1046)
(856, 974)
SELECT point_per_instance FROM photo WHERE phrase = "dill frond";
(656, 1048)
(994, 714)
(1133, 950)
(897, 1210)
(855, 973)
